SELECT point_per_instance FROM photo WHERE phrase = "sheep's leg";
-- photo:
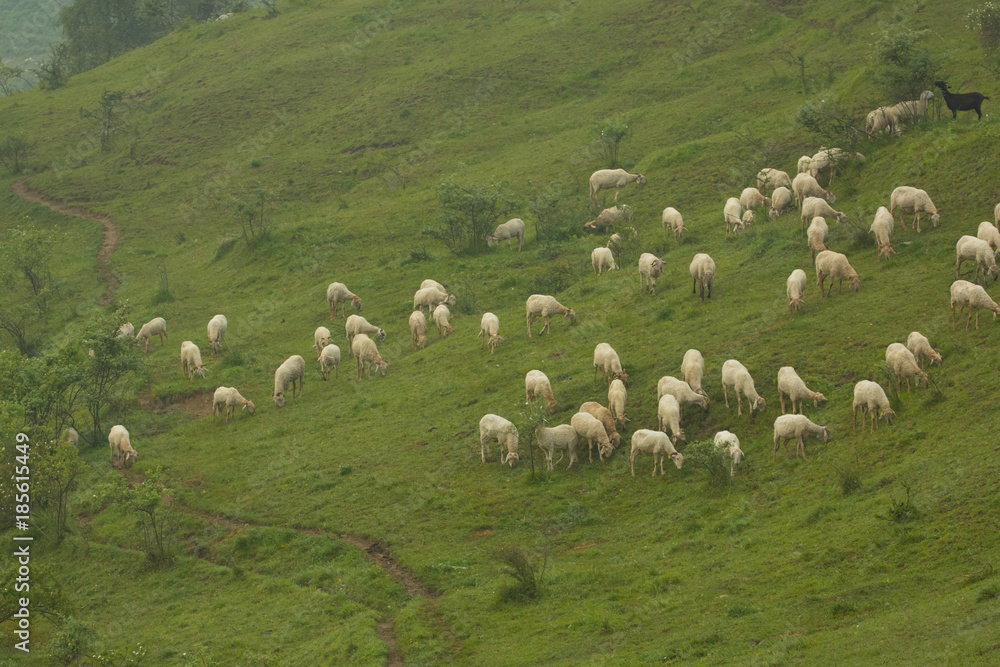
(968, 320)
(854, 423)
(977, 317)
(739, 404)
(529, 325)
(777, 443)
(916, 219)
(694, 284)
(590, 448)
(632, 461)
(781, 397)
(802, 448)
(725, 392)
(953, 324)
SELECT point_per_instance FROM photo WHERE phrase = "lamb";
(489, 331)
(431, 298)
(772, 178)
(882, 228)
(321, 338)
(814, 207)
(611, 216)
(225, 401)
(989, 233)
(366, 354)
(440, 317)
(732, 214)
(602, 259)
(912, 110)
(494, 427)
(870, 398)
(907, 198)
(781, 201)
(835, 265)
(617, 396)
(702, 271)
(560, 438)
(155, 327)
(791, 384)
(544, 306)
(731, 444)
(970, 248)
(338, 293)
(804, 185)
(918, 344)
(672, 219)
(961, 101)
(356, 324)
(122, 454)
(126, 330)
(288, 373)
(329, 358)
(668, 413)
(693, 370)
(795, 287)
(604, 416)
(797, 427)
(191, 360)
(536, 385)
(418, 329)
(803, 163)
(606, 360)
(590, 427)
(682, 391)
(512, 229)
(605, 179)
(735, 375)
(827, 159)
(964, 293)
(880, 120)
(816, 234)
(658, 444)
(904, 365)
(72, 436)
(650, 268)
(752, 198)
(217, 331)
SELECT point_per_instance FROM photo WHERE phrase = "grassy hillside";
(27, 28)
(353, 114)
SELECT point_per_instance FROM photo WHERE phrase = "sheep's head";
(855, 282)
(623, 376)
(279, 399)
(511, 459)
(747, 217)
(200, 370)
(817, 397)
(796, 304)
(616, 440)
(678, 459)
(571, 315)
(887, 414)
(936, 218)
(680, 435)
(491, 241)
(703, 402)
(831, 198)
(641, 180)
(383, 367)
(357, 303)
(131, 457)
(922, 379)
(935, 358)
(248, 406)
(381, 334)
(767, 201)
(758, 405)
(994, 271)
(772, 214)
(605, 450)
(842, 217)
(737, 454)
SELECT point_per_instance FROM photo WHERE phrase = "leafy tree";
(984, 22)
(105, 373)
(154, 518)
(105, 118)
(56, 469)
(28, 252)
(250, 209)
(47, 597)
(901, 65)
(52, 73)
(612, 133)
(25, 277)
(470, 214)
(14, 152)
(8, 73)
(95, 31)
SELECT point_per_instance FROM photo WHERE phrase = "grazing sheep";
(155, 327)
(122, 454)
(735, 375)
(797, 427)
(494, 427)
(835, 265)
(814, 207)
(781, 201)
(731, 444)
(918, 344)
(544, 306)
(217, 331)
(321, 338)
(366, 354)
(882, 228)
(440, 317)
(961, 101)
(964, 293)
(682, 391)
(989, 233)
(752, 198)
(803, 163)
(972, 249)
(795, 287)
(431, 298)
(693, 370)
(338, 293)
(617, 240)
(562, 438)
(590, 427)
(650, 268)
(72, 436)
(226, 399)
(602, 259)
(732, 214)
(746, 220)
(827, 159)
(903, 364)
(489, 331)
(617, 396)
(816, 235)
(912, 110)
(191, 360)
(291, 371)
(418, 329)
(804, 186)
(537, 385)
(329, 358)
(605, 179)
(433, 283)
(668, 414)
(790, 384)
(611, 216)
(512, 229)
(880, 120)
(606, 360)
(702, 271)
(656, 443)
(672, 219)
(772, 178)
(126, 330)
(907, 198)
(870, 398)
(356, 324)
(604, 415)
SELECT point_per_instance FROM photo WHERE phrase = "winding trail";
(110, 239)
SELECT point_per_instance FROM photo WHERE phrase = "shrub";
(900, 510)
(14, 152)
(612, 133)
(527, 575)
(470, 214)
(72, 642)
(901, 65)
(715, 461)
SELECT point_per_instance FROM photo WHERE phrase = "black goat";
(961, 101)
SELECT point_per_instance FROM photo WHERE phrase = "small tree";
(153, 516)
(52, 73)
(14, 152)
(8, 74)
(901, 65)
(56, 469)
(612, 133)
(984, 22)
(28, 252)
(113, 362)
(105, 118)
(470, 214)
(250, 209)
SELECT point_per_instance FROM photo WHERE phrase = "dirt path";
(110, 238)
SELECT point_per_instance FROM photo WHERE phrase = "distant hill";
(27, 27)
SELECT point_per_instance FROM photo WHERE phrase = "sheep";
(356, 324)
(617, 240)
(964, 293)
(560, 438)
(590, 427)
(702, 271)
(879, 120)
(797, 427)
(911, 110)
(746, 220)
(606, 360)
(544, 306)
(781, 201)
(656, 443)
(605, 179)
(440, 317)
(827, 159)
(752, 198)
(122, 454)
(918, 344)
(226, 399)
(72, 436)
(731, 444)
(650, 268)
(970, 248)
(668, 414)
(682, 391)
(814, 207)
(835, 265)
(816, 235)
(791, 384)
(366, 354)
(321, 338)
(617, 396)
(795, 287)
(870, 398)
(537, 385)
(672, 219)
(431, 297)
(288, 373)
(804, 185)
(903, 364)
(494, 427)
(882, 228)
(693, 370)
(611, 216)
(512, 229)
(338, 293)
(602, 259)
(433, 283)
(126, 330)
(217, 331)
(732, 214)
(329, 358)
(912, 199)
(155, 327)
(735, 375)
(604, 415)
(191, 360)
(772, 178)
(961, 101)
(989, 233)
(803, 163)
(418, 329)
(489, 331)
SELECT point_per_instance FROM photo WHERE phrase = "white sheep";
(617, 397)
(816, 235)
(732, 214)
(329, 358)
(650, 268)
(356, 324)
(537, 385)
(682, 391)
(790, 384)
(605, 417)
(562, 438)
(827, 159)
(544, 306)
(918, 344)
(668, 414)
(602, 259)
(880, 120)
(321, 338)
(433, 283)
(672, 219)
(617, 240)
(72, 436)
(288, 373)
(489, 331)
(907, 198)
(606, 360)
(512, 229)
(804, 185)
(781, 201)
(903, 364)
(440, 317)
(702, 271)
(735, 375)
(126, 330)
(338, 293)
(494, 427)
(656, 443)
(772, 178)
(911, 110)
(882, 228)
(797, 427)
(752, 198)
(155, 327)
(803, 163)
(693, 370)
(590, 427)
(611, 216)
(830, 264)
(217, 331)
(795, 287)
(191, 360)
(731, 444)
(989, 233)
(605, 179)
(366, 354)
(814, 207)
(972, 249)
(431, 298)
(966, 294)
(418, 329)
(870, 398)
(225, 401)
(746, 220)
(122, 453)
